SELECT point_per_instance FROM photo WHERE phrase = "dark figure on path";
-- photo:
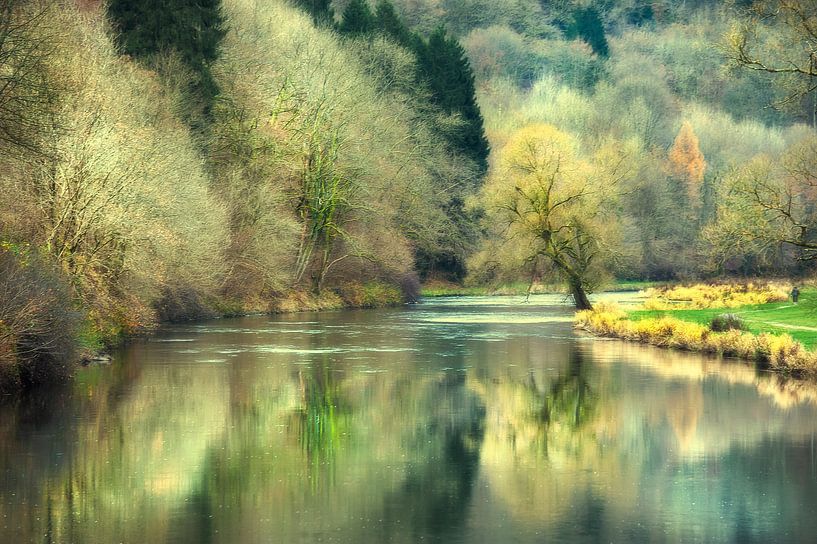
(795, 294)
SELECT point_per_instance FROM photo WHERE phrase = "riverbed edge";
(767, 351)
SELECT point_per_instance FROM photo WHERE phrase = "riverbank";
(776, 334)
(435, 289)
(89, 340)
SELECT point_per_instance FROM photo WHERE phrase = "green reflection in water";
(391, 427)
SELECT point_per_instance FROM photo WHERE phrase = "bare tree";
(26, 91)
(780, 37)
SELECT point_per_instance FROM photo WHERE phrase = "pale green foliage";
(551, 202)
(348, 160)
(726, 142)
(689, 58)
(462, 16)
(121, 198)
(501, 52)
(644, 94)
(767, 204)
(779, 39)
(684, 53)
(548, 101)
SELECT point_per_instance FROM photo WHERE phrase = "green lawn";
(777, 317)
(439, 289)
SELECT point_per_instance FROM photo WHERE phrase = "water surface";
(463, 420)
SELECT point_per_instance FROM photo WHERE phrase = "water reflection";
(459, 421)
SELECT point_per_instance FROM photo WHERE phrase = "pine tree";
(357, 18)
(320, 10)
(588, 26)
(192, 28)
(390, 24)
(446, 69)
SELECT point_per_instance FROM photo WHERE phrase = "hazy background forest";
(179, 159)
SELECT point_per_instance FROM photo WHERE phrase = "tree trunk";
(579, 296)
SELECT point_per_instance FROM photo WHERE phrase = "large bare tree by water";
(555, 205)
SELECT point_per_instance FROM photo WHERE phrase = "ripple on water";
(509, 319)
(293, 349)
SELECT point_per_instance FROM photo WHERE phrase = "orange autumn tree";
(687, 163)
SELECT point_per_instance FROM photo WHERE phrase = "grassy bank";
(777, 334)
(447, 289)
(798, 321)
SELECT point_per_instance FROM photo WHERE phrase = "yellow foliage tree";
(687, 163)
(547, 199)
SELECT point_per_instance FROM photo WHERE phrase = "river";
(462, 420)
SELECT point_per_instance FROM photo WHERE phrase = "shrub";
(727, 322)
(37, 322)
(702, 296)
(372, 294)
(778, 352)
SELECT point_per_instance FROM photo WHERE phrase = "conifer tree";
(448, 73)
(588, 27)
(192, 28)
(390, 24)
(357, 18)
(320, 10)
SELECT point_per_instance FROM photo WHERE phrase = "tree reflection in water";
(435, 497)
(469, 433)
(570, 401)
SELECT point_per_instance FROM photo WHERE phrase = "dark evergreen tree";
(448, 73)
(390, 24)
(357, 18)
(320, 10)
(588, 27)
(192, 28)
(641, 13)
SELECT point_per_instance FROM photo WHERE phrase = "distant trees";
(389, 22)
(357, 18)
(779, 37)
(687, 164)
(588, 26)
(321, 11)
(442, 67)
(447, 72)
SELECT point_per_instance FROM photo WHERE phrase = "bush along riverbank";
(703, 324)
(46, 332)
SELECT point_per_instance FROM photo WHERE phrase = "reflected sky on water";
(459, 420)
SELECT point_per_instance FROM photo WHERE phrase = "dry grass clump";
(304, 301)
(727, 295)
(372, 294)
(780, 352)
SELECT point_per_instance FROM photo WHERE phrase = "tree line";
(165, 161)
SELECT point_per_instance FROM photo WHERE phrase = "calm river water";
(473, 420)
